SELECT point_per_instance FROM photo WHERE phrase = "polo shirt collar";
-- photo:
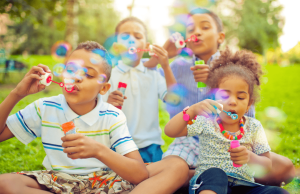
(214, 56)
(125, 68)
(90, 118)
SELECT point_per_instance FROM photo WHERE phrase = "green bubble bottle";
(200, 84)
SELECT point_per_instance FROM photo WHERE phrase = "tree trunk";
(72, 23)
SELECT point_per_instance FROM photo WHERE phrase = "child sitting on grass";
(235, 78)
(96, 158)
(144, 88)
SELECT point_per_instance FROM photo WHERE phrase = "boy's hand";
(240, 155)
(30, 83)
(170, 47)
(205, 107)
(162, 56)
(116, 98)
(80, 146)
(200, 72)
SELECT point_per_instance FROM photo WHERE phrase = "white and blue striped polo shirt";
(44, 117)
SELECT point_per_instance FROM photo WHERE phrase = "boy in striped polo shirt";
(91, 161)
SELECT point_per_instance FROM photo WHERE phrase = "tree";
(256, 24)
(38, 26)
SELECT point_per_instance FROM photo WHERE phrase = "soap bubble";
(175, 94)
(73, 69)
(186, 53)
(60, 50)
(58, 69)
(102, 79)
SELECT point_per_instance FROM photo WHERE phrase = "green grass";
(281, 89)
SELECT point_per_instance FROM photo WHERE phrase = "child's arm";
(260, 154)
(241, 155)
(162, 55)
(130, 167)
(28, 85)
(177, 127)
(170, 47)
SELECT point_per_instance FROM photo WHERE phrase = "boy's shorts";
(186, 148)
(105, 181)
(151, 153)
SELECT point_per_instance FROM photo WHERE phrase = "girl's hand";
(30, 83)
(80, 146)
(239, 155)
(170, 47)
(205, 108)
(162, 56)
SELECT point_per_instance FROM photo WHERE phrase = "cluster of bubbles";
(74, 69)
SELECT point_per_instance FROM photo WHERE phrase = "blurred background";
(269, 28)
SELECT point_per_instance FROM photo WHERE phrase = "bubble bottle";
(121, 87)
(235, 144)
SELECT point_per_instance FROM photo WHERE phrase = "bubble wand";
(232, 115)
(180, 43)
(48, 78)
(133, 50)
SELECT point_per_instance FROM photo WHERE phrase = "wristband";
(186, 117)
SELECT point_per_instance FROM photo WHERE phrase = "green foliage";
(281, 90)
(257, 24)
(19, 9)
(97, 20)
(39, 24)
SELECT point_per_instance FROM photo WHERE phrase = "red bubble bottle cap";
(67, 126)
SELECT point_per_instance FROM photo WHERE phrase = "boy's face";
(205, 28)
(87, 87)
(132, 34)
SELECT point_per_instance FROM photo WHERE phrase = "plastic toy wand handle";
(235, 144)
(200, 84)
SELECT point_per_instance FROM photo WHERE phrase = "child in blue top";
(235, 78)
(92, 160)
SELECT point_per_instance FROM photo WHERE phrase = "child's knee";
(214, 179)
(7, 184)
(179, 164)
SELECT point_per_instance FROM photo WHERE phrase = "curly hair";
(92, 45)
(243, 64)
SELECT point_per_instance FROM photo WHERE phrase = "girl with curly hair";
(234, 79)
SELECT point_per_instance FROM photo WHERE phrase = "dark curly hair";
(92, 45)
(243, 64)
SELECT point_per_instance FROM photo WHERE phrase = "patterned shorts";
(100, 182)
(186, 148)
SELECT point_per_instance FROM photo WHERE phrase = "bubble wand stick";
(47, 79)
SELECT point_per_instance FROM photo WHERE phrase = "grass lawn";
(281, 89)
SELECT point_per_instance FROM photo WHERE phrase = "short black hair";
(92, 45)
(215, 17)
(131, 19)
